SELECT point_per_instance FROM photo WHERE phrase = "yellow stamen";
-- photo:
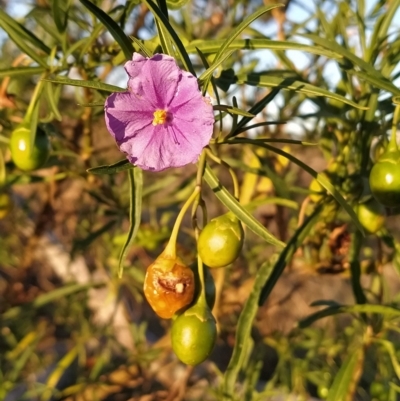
(160, 116)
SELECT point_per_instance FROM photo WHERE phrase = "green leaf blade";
(135, 212)
(238, 210)
(115, 30)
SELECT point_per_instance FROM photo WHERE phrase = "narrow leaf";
(237, 209)
(287, 83)
(180, 49)
(23, 46)
(320, 178)
(212, 46)
(19, 71)
(388, 311)
(243, 332)
(100, 86)
(240, 28)
(135, 212)
(60, 14)
(115, 30)
(121, 165)
(286, 255)
(9, 24)
(233, 110)
(377, 80)
(346, 380)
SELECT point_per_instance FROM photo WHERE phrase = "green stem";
(201, 167)
(200, 269)
(34, 99)
(170, 249)
(199, 201)
(393, 147)
(231, 172)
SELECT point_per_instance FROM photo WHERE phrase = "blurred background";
(71, 329)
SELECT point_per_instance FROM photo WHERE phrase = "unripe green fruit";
(24, 156)
(193, 335)
(371, 215)
(221, 241)
(384, 179)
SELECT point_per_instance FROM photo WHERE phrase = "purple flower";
(162, 120)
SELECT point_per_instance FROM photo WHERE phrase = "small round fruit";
(221, 241)
(384, 179)
(25, 157)
(168, 286)
(193, 337)
(371, 215)
(5, 204)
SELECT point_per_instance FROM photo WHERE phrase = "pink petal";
(156, 77)
(126, 114)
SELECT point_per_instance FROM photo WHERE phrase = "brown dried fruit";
(168, 286)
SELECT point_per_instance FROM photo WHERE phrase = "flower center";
(160, 117)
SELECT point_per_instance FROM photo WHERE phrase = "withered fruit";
(169, 286)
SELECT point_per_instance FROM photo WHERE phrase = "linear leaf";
(255, 109)
(9, 23)
(320, 178)
(212, 46)
(382, 83)
(243, 332)
(174, 37)
(286, 255)
(121, 165)
(239, 29)
(388, 311)
(233, 110)
(346, 380)
(291, 83)
(115, 30)
(22, 45)
(346, 54)
(44, 299)
(135, 212)
(52, 97)
(85, 84)
(60, 10)
(237, 209)
(18, 71)
(381, 29)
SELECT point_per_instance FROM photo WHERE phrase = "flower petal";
(158, 84)
(167, 148)
(125, 114)
(156, 77)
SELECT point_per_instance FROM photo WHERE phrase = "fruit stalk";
(170, 249)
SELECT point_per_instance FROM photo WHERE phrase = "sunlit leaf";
(100, 86)
(346, 380)
(114, 29)
(121, 165)
(135, 213)
(286, 255)
(244, 328)
(237, 209)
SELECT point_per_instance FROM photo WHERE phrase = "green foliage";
(79, 229)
